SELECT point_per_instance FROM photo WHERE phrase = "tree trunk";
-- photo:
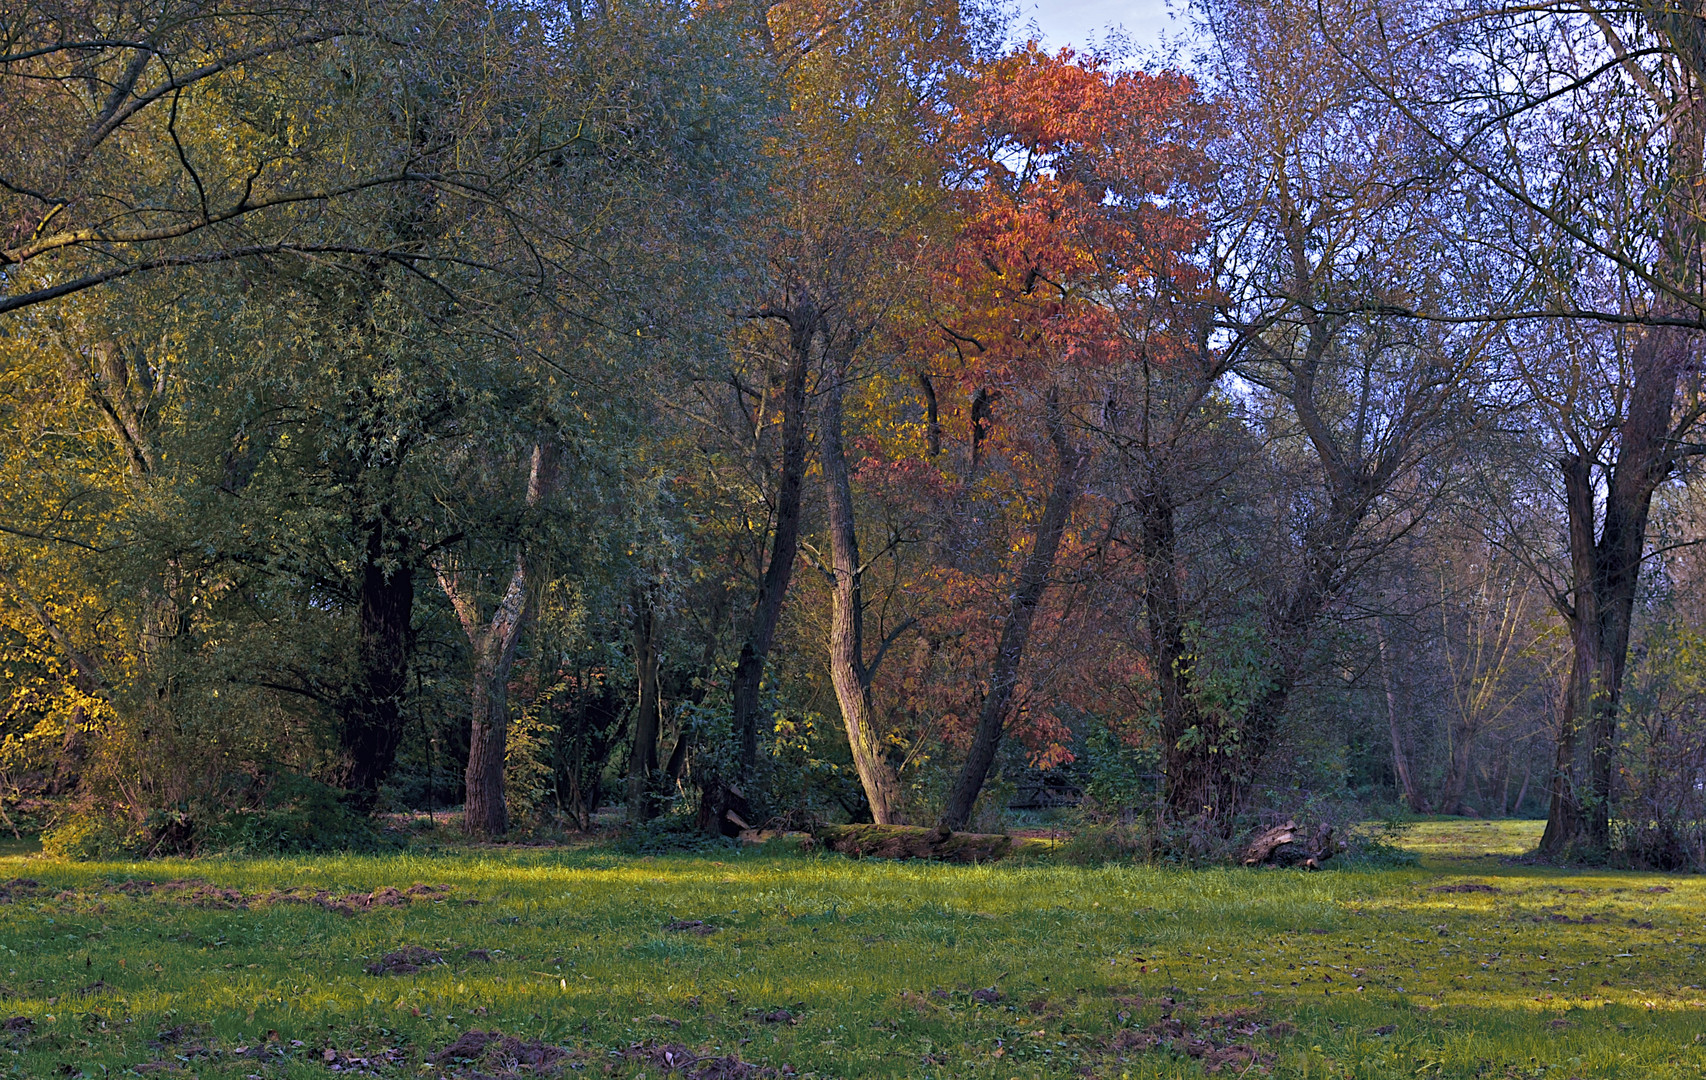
(1457, 769)
(847, 668)
(643, 761)
(1400, 760)
(373, 718)
(486, 813)
(1605, 565)
(1188, 784)
(804, 335)
(932, 416)
(1016, 631)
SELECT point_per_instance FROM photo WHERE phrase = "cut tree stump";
(913, 842)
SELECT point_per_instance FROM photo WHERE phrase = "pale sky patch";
(1079, 22)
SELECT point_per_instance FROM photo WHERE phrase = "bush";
(295, 814)
(1376, 843)
(1094, 843)
(676, 831)
(280, 814)
(92, 833)
(1659, 821)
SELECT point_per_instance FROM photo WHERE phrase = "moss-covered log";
(913, 842)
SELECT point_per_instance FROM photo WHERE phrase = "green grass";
(1454, 841)
(875, 960)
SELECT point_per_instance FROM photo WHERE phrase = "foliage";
(283, 813)
(1660, 816)
(534, 407)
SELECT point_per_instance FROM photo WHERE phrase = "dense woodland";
(757, 414)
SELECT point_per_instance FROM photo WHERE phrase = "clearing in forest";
(523, 962)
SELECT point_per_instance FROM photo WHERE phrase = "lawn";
(597, 964)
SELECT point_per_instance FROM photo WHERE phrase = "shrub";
(281, 813)
(675, 831)
(92, 833)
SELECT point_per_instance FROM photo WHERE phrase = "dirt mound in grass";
(494, 1054)
(405, 961)
(188, 890)
(206, 894)
(674, 1058)
(1212, 1041)
(913, 842)
(357, 903)
(19, 889)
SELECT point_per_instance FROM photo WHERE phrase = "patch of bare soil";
(675, 1058)
(19, 889)
(17, 1028)
(357, 903)
(492, 1054)
(405, 961)
(1211, 1040)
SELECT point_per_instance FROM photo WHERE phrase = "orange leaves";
(1079, 189)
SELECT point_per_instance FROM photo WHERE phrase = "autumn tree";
(1080, 193)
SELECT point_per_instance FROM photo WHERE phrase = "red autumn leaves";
(1077, 253)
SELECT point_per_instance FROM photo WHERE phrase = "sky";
(1073, 22)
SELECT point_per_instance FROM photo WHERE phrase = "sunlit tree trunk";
(847, 668)
(493, 646)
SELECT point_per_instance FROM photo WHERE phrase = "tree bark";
(1188, 787)
(486, 812)
(373, 721)
(1605, 563)
(847, 668)
(1016, 630)
(643, 761)
(1400, 760)
(804, 335)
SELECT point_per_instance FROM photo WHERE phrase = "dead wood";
(913, 842)
(1279, 845)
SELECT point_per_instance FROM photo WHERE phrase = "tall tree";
(1081, 210)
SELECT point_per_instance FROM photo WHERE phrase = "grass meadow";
(782, 962)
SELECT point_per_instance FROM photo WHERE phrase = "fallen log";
(1276, 845)
(1265, 843)
(913, 842)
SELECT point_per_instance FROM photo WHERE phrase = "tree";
(492, 644)
(1338, 217)
(1079, 187)
(1587, 163)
